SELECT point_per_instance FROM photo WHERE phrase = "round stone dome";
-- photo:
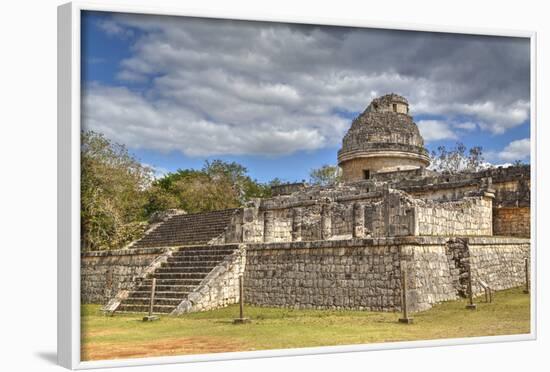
(384, 138)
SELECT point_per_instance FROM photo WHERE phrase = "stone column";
(326, 221)
(358, 224)
(268, 226)
(297, 224)
(247, 227)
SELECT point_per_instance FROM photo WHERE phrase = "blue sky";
(278, 98)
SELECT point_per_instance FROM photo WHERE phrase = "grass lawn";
(126, 336)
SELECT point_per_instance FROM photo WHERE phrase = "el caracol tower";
(383, 138)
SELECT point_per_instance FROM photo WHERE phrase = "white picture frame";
(69, 92)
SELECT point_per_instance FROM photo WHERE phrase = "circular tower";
(383, 138)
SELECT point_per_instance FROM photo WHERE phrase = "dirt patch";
(101, 332)
(165, 347)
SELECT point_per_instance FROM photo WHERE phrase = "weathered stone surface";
(364, 274)
(515, 221)
(383, 138)
(104, 273)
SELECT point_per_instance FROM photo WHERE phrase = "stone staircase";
(176, 278)
(187, 229)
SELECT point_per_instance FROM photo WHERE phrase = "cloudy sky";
(278, 98)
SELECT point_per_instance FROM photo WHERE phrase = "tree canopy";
(113, 193)
(325, 175)
(119, 194)
(458, 159)
(218, 185)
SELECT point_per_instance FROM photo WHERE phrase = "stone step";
(172, 282)
(158, 301)
(188, 229)
(175, 262)
(195, 230)
(160, 294)
(157, 309)
(166, 288)
(190, 263)
(184, 269)
(208, 247)
(180, 275)
(197, 253)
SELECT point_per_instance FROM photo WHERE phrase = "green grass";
(126, 336)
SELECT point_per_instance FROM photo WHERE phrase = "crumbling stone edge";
(220, 287)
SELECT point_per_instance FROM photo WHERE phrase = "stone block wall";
(365, 274)
(360, 274)
(104, 273)
(287, 188)
(499, 262)
(512, 221)
(310, 223)
(377, 214)
(323, 275)
(278, 225)
(432, 277)
(471, 216)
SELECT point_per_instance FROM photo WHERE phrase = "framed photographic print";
(251, 187)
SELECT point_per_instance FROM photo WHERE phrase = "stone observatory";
(345, 245)
(384, 138)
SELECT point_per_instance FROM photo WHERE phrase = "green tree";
(218, 185)
(325, 175)
(113, 193)
(244, 186)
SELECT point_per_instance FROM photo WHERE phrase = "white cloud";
(228, 87)
(129, 118)
(113, 28)
(435, 130)
(516, 150)
(467, 126)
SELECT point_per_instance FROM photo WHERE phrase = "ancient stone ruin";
(334, 247)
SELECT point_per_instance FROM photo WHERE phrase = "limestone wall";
(512, 221)
(467, 217)
(361, 274)
(377, 213)
(278, 225)
(432, 276)
(365, 274)
(104, 273)
(323, 275)
(499, 262)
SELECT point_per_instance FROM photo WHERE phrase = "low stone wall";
(104, 273)
(365, 274)
(499, 262)
(512, 221)
(323, 275)
(360, 274)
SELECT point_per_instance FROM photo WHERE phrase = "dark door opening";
(366, 174)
